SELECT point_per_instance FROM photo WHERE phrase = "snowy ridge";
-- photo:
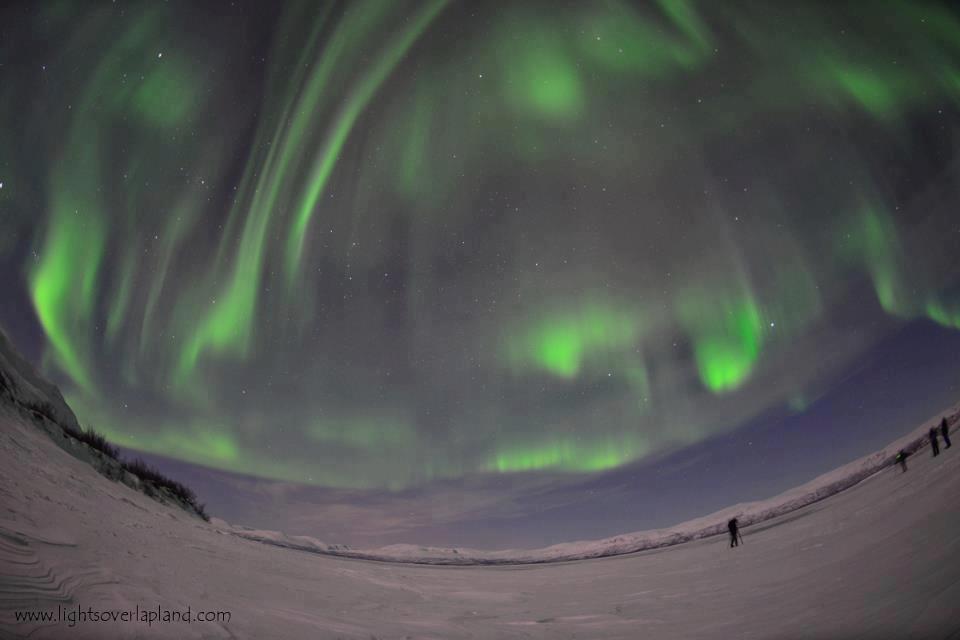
(22, 385)
(24, 390)
(749, 513)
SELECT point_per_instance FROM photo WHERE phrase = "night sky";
(497, 274)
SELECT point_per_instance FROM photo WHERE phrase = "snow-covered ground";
(878, 560)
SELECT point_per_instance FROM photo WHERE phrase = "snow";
(876, 560)
(21, 382)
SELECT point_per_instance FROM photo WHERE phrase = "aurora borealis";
(378, 245)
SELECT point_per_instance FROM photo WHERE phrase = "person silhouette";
(933, 441)
(901, 459)
(945, 432)
(735, 537)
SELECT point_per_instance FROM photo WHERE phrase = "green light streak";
(379, 447)
(871, 240)
(683, 14)
(560, 343)
(942, 314)
(569, 455)
(63, 283)
(119, 304)
(621, 40)
(227, 318)
(342, 126)
(872, 91)
(62, 288)
(727, 334)
(181, 221)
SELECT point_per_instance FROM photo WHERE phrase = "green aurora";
(379, 244)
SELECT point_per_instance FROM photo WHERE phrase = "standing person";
(945, 432)
(735, 537)
(901, 459)
(933, 441)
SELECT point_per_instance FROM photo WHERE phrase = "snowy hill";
(22, 385)
(26, 392)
